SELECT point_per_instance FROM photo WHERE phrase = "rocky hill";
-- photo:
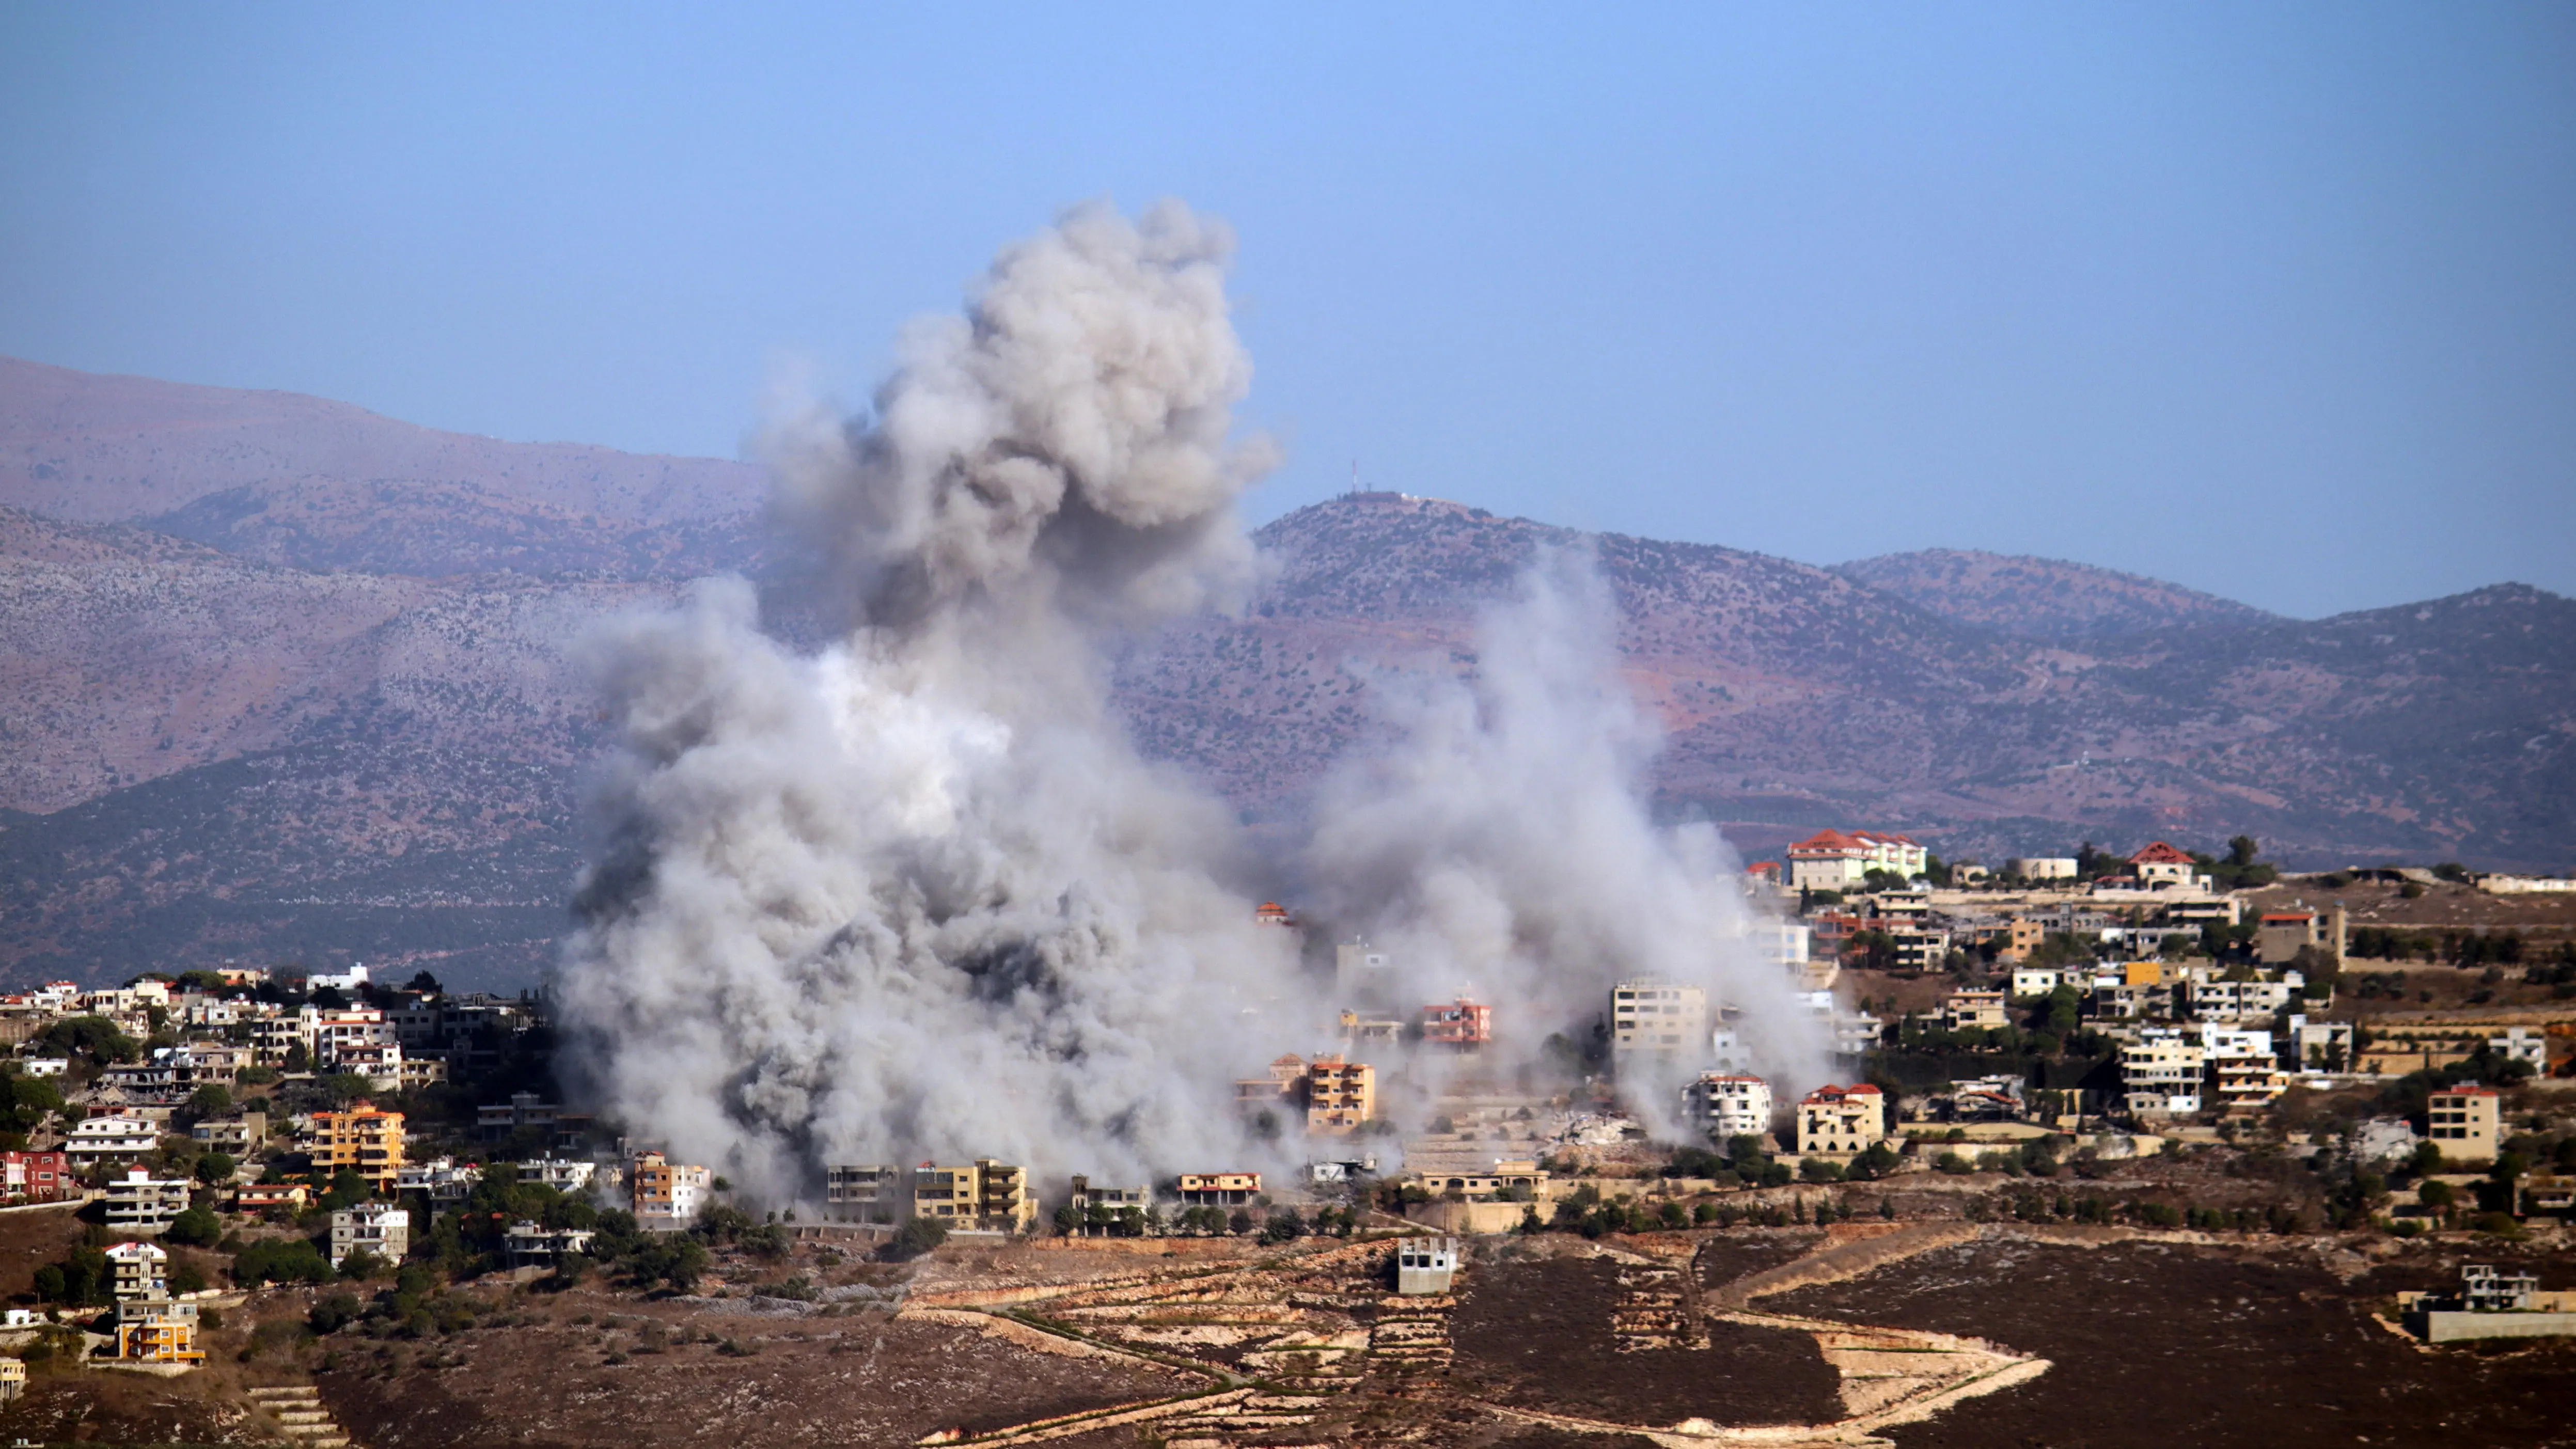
(2043, 598)
(328, 714)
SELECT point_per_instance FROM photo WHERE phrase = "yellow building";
(156, 1330)
(1340, 1095)
(2142, 973)
(2466, 1122)
(361, 1140)
(990, 1195)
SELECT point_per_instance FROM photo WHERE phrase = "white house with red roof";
(2163, 865)
(1832, 860)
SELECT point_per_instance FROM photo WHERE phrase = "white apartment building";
(142, 1270)
(111, 1139)
(1730, 1105)
(2041, 980)
(563, 1174)
(1657, 1018)
(142, 1204)
(2522, 1044)
(2244, 1000)
(1835, 860)
(2161, 1072)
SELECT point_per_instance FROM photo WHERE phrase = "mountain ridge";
(332, 714)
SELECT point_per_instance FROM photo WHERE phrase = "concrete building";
(2162, 865)
(371, 1228)
(1728, 1105)
(989, 1196)
(2041, 980)
(140, 1203)
(2490, 1304)
(111, 1139)
(1425, 1265)
(2465, 1121)
(362, 1140)
(2522, 1044)
(157, 1330)
(13, 1379)
(234, 1136)
(664, 1194)
(2280, 935)
(1362, 974)
(563, 1174)
(2160, 1073)
(1657, 1019)
(1836, 860)
(531, 1246)
(866, 1193)
(1841, 1119)
(1462, 1023)
(1100, 1204)
(1974, 1011)
(1219, 1189)
(36, 1176)
(2041, 867)
(142, 1270)
(2318, 1046)
(1340, 1095)
(2243, 1000)
(443, 1180)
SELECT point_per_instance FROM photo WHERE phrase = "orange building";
(361, 1140)
(1340, 1095)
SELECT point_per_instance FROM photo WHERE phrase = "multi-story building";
(532, 1246)
(372, 1228)
(36, 1176)
(140, 1203)
(2162, 865)
(1219, 1189)
(866, 1192)
(157, 1330)
(363, 1140)
(1974, 1011)
(1917, 947)
(442, 1180)
(990, 1195)
(2280, 935)
(2465, 1121)
(142, 1270)
(2318, 1046)
(1841, 1119)
(666, 1194)
(111, 1139)
(1727, 1105)
(2041, 980)
(1836, 860)
(1340, 1095)
(1657, 1018)
(2018, 938)
(2243, 1000)
(563, 1174)
(1462, 1023)
(1095, 1203)
(2161, 1073)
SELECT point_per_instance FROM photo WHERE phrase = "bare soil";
(1537, 1334)
(627, 1379)
(2157, 1345)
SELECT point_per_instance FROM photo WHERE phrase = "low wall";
(2455, 1327)
(1468, 1217)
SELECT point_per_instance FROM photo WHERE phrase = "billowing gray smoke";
(1504, 848)
(914, 894)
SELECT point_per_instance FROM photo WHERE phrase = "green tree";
(916, 1237)
(195, 1228)
(210, 1100)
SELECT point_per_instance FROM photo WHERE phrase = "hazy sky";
(2277, 301)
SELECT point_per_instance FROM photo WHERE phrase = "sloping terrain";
(2043, 598)
(311, 696)
(101, 449)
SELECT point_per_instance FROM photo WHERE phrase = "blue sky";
(2277, 301)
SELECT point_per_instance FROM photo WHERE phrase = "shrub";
(332, 1312)
(280, 1260)
(916, 1237)
(195, 1228)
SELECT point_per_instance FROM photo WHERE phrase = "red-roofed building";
(2162, 864)
(1764, 870)
(2279, 935)
(1842, 1119)
(1833, 860)
(1272, 914)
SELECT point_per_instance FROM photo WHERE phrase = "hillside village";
(2162, 1041)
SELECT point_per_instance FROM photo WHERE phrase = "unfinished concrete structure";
(1425, 1265)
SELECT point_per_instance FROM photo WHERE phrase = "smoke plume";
(1504, 847)
(913, 894)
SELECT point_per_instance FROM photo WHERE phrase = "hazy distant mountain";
(328, 714)
(2043, 597)
(103, 449)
